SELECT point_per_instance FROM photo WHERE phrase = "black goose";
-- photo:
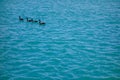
(31, 20)
(41, 22)
(35, 21)
(21, 18)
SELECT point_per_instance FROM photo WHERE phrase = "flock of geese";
(31, 20)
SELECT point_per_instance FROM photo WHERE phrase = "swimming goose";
(41, 22)
(21, 18)
(35, 21)
(31, 20)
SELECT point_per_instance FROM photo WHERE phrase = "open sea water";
(80, 41)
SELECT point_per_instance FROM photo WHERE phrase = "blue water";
(80, 41)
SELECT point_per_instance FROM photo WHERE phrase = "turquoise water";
(80, 41)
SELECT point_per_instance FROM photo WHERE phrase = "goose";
(41, 22)
(35, 21)
(31, 20)
(20, 18)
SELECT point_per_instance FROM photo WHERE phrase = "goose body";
(31, 20)
(41, 23)
(35, 21)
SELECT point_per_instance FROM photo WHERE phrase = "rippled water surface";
(80, 41)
